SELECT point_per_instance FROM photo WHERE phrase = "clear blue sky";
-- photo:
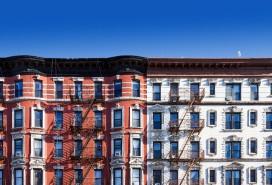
(191, 28)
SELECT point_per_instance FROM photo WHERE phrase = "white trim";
(98, 79)
(38, 137)
(18, 107)
(2, 79)
(58, 108)
(136, 135)
(23, 168)
(113, 137)
(18, 135)
(77, 79)
(136, 107)
(215, 175)
(39, 108)
(118, 107)
(77, 108)
(249, 146)
(215, 149)
(32, 174)
(58, 79)
(256, 177)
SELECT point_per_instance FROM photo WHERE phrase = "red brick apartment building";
(73, 121)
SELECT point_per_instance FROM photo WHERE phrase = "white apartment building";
(209, 121)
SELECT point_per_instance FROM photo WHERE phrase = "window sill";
(232, 130)
(15, 128)
(252, 154)
(212, 154)
(211, 125)
(41, 128)
(212, 183)
(117, 128)
(136, 127)
(157, 130)
(117, 157)
(253, 125)
(212, 96)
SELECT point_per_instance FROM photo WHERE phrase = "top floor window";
(136, 88)
(118, 88)
(212, 89)
(254, 92)
(18, 89)
(98, 90)
(38, 89)
(59, 93)
(78, 90)
(156, 92)
(174, 92)
(233, 121)
(233, 92)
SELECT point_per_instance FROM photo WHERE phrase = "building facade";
(131, 120)
(73, 121)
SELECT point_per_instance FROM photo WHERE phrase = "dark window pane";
(98, 148)
(18, 118)
(117, 88)
(157, 176)
(59, 120)
(157, 120)
(58, 177)
(118, 177)
(212, 118)
(117, 147)
(19, 89)
(38, 147)
(38, 118)
(254, 92)
(156, 92)
(212, 146)
(38, 177)
(212, 89)
(98, 119)
(136, 88)
(136, 147)
(98, 90)
(18, 147)
(117, 118)
(38, 89)
(212, 175)
(157, 150)
(59, 93)
(253, 118)
(78, 90)
(268, 149)
(269, 120)
(136, 118)
(58, 148)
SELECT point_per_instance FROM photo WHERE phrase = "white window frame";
(38, 108)
(256, 173)
(117, 135)
(256, 118)
(215, 118)
(32, 168)
(136, 135)
(18, 135)
(209, 182)
(23, 168)
(118, 107)
(209, 140)
(123, 174)
(39, 136)
(141, 175)
(136, 107)
(249, 141)
(18, 107)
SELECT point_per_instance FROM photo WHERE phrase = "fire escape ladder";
(88, 110)
(87, 142)
(88, 170)
(187, 110)
(187, 171)
(192, 132)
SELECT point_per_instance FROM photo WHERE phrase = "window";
(194, 177)
(233, 177)
(174, 94)
(18, 147)
(157, 177)
(1, 177)
(118, 88)
(233, 121)
(156, 92)
(1, 149)
(78, 90)
(98, 177)
(18, 89)
(18, 118)
(38, 147)
(212, 89)
(78, 147)
(212, 176)
(38, 118)
(59, 93)
(78, 176)
(59, 119)
(58, 177)
(136, 88)
(118, 118)
(212, 147)
(136, 118)
(212, 118)
(194, 91)
(233, 150)
(173, 177)
(98, 148)
(252, 118)
(254, 92)
(78, 119)
(174, 149)
(174, 122)
(98, 90)
(136, 147)
(194, 150)
(136, 176)
(1, 91)
(253, 146)
(117, 147)
(38, 177)
(58, 148)
(252, 175)
(157, 150)
(18, 177)
(38, 89)
(1, 119)
(157, 121)
(268, 177)
(268, 120)
(268, 149)
(233, 92)
(98, 119)
(118, 176)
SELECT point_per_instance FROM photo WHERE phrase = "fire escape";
(189, 97)
(89, 126)
(3, 123)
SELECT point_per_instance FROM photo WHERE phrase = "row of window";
(78, 89)
(233, 91)
(232, 149)
(232, 177)
(233, 120)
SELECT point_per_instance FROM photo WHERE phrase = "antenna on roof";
(239, 54)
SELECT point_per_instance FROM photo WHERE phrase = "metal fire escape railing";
(192, 126)
(85, 95)
(91, 134)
